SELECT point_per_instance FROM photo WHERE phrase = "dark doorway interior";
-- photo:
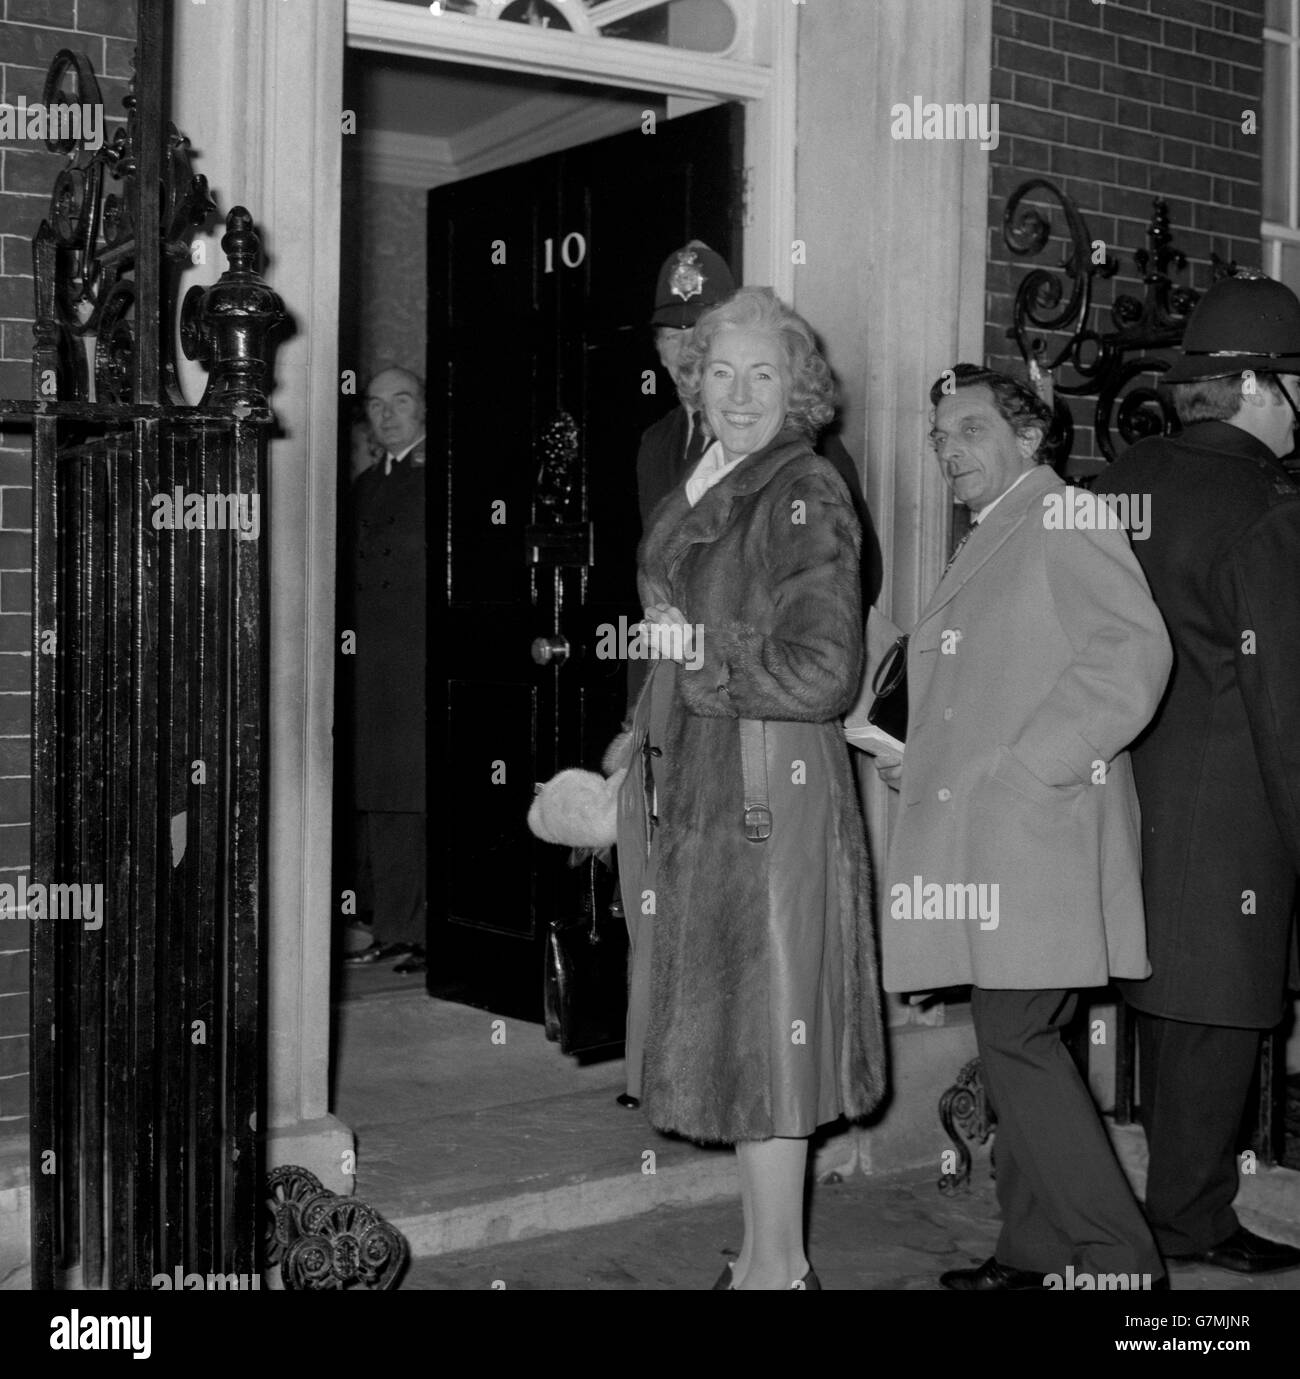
(541, 281)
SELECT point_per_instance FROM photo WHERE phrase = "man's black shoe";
(1244, 1252)
(382, 952)
(991, 1277)
(415, 962)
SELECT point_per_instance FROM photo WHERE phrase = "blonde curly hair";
(810, 403)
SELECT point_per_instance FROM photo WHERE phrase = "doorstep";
(513, 1172)
(473, 1131)
(463, 1142)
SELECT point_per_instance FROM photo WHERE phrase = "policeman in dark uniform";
(1218, 770)
(388, 618)
(690, 282)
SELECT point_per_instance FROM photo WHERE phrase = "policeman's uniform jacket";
(1218, 771)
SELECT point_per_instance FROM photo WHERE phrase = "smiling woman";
(753, 1014)
(752, 366)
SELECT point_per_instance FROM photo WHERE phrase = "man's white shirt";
(390, 459)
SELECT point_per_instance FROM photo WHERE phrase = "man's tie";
(697, 444)
(969, 532)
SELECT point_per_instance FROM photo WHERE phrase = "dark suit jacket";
(1218, 770)
(387, 613)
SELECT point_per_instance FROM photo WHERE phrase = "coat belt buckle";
(758, 823)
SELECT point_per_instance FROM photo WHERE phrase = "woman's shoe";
(809, 1281)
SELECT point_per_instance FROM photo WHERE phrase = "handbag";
(585, 990)
(888, 710)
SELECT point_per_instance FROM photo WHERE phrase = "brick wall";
(31, 33)
(1117, 103)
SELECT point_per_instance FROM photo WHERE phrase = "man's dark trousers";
(1194, 1083)
(391, 873)
(1063, 1195)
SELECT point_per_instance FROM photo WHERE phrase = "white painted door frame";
(766, 84)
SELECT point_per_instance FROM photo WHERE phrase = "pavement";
(892, 1232)
(506, 1164)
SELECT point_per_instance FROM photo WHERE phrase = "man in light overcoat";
(1014, 864)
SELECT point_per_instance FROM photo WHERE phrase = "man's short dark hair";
(1019, 406)
(1211, 399)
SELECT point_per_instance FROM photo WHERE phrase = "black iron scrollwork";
(324, 1242)
(965, 1107)
(87, 339)
(1104, 364)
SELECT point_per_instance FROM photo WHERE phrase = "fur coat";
(754, 1007)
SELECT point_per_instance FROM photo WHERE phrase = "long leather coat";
(754, 974)
(1218, 772)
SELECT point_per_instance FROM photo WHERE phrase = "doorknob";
(550, 650)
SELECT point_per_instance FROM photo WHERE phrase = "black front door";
(542, 280)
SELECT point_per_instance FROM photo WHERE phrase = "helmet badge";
(687, 280)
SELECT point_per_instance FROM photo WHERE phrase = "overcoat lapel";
(990, 535)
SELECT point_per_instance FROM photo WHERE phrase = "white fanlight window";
(693, 52)
(1279, 128)
(702, 26)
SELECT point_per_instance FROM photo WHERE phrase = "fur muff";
(764, 1008)
(578, 809)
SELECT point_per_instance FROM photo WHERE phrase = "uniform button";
(945, 794)
(947, 714)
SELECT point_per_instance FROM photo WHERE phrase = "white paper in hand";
(868, 738)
